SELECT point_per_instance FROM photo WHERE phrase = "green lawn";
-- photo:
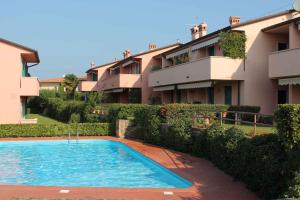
(249, 129)
(42, 119)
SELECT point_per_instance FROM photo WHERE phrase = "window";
(282, 46)
(135, 68)
(184, 58)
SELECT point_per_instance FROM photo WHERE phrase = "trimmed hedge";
(247, 109)
(53, 130)
(262, 162)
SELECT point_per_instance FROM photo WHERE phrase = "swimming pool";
(86, 163)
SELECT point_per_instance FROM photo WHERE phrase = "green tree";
(94, 98)
(70, 83)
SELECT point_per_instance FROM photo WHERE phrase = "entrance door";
(282, 97)
(228, 95)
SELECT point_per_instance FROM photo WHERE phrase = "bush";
(287, 118)
(75, 118)
(148, 120)
(259, 162)
(121, 111)
(246, 109)
(294, 187)
(53, 130)
(62, 110)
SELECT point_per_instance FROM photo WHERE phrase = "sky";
(70, 34)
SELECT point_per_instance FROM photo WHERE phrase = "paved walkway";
(209, 183)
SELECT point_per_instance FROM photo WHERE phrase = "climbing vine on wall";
(233, 44)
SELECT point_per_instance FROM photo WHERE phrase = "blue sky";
(69, 34)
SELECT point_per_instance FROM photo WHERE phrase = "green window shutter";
(211, 51)
(228, 95)
(94, 77)
(23, 70)
(211, 95)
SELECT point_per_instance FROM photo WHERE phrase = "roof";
(143, 53)
(281, 24)
(97, 67)
(60, 80)
(52, 80)
(21, 47)
(227, 28)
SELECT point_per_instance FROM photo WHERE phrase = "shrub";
(259, 163)
(75, 118)
(62, 110)
(233, 44)
(121, 111)
(247, 109)
(287, 118)
(293, 190)
(52, 130)
(148, 119)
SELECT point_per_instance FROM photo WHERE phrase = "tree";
(70, 83)
(94, 98)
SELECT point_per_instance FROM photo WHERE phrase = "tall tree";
(70, 83)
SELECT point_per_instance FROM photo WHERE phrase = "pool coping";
(208, 181)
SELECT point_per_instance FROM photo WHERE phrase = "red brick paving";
(209, 183)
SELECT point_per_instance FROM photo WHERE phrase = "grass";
(42, 119)
(249, 129)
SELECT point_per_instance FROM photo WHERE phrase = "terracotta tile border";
(208, 181)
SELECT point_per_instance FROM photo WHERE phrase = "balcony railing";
(87, 86)
(210, 68)
(29, 86)
(284, 63)
(122, 81)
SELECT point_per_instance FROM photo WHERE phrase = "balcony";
(122, 81)
(284, 63)
(87, 86)
(29, 86)
(210, 68)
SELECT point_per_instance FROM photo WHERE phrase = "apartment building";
(126, 81)
(95, 76)
(198, 71)
(16, 83)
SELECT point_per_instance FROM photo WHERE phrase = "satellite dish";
(297, 5)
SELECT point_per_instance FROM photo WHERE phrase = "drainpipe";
(239, 92)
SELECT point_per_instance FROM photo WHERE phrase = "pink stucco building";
(126, 81)
(16, 83)
(198, 71)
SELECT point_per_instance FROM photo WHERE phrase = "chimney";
(234, 20)
(203, 29)
(152, 46)
(93, 65)
(127, 53)
(195, 32)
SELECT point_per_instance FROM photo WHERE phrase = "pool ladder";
(69, 137)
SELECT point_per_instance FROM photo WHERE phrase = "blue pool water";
(88, 163)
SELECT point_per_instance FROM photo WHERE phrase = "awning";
(177, 53)
(164, 88)
(114, 91)
(128, 63)
(195, 85)
(205, 44)
(289, 81)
